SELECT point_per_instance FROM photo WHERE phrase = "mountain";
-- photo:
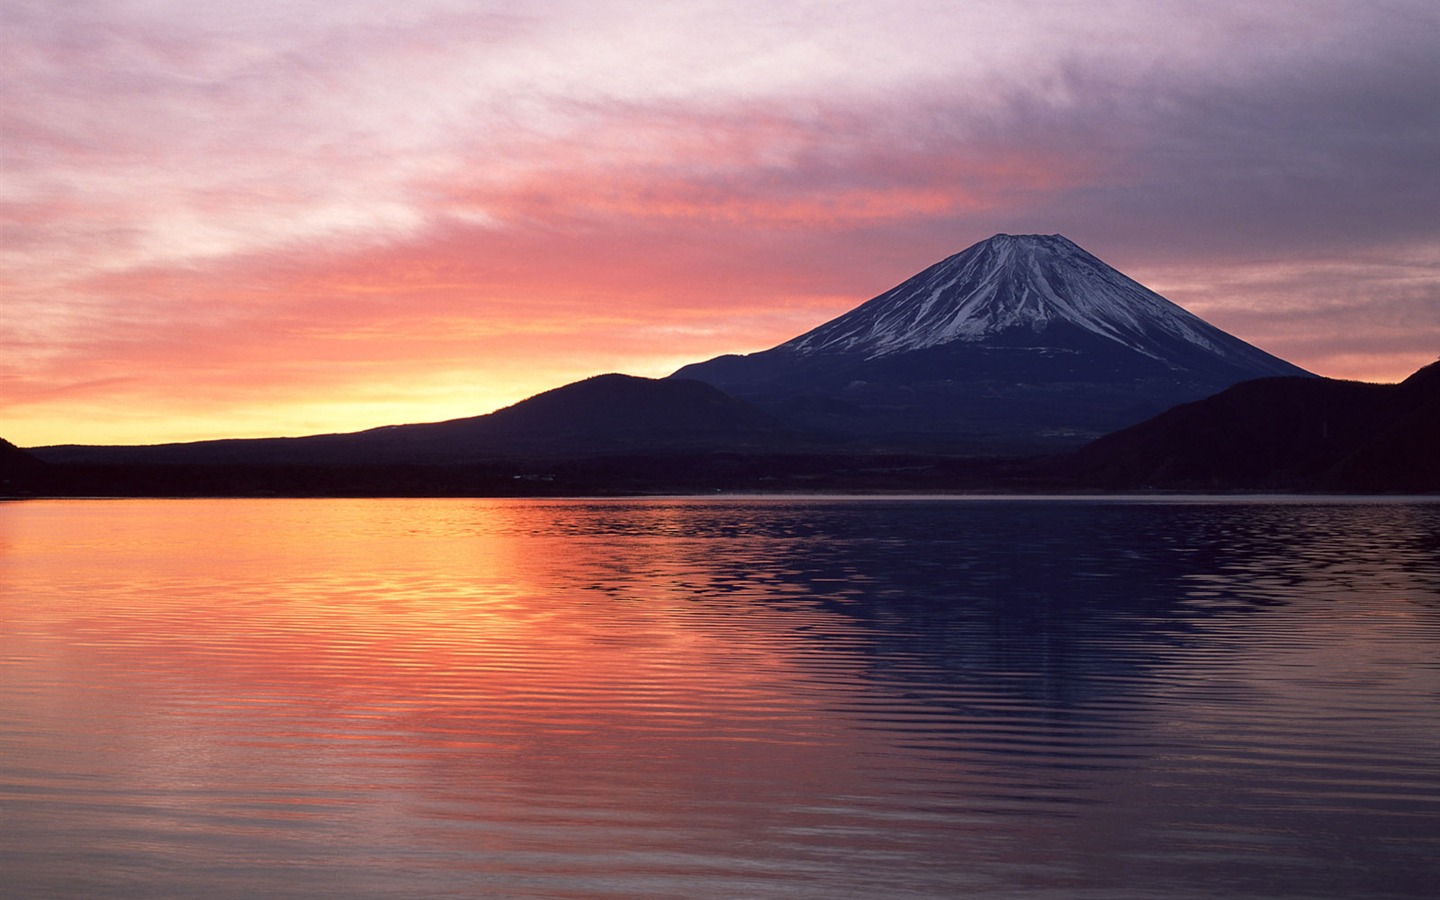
(605, 414)
(19, 471)
(13, 459)
(1020, 343)
(1303, 434)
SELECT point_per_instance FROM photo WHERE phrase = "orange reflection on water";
(682, 698)
(471, 640)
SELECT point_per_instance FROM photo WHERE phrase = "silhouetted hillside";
(20, 473)
(614, 412)
(602, 415)
(1301, 434)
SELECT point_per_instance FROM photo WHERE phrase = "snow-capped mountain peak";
(1005, 283)
(1019, 343)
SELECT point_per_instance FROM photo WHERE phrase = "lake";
(720, 697)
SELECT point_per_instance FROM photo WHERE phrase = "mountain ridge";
(1280, 434)
(1290, 434)
(607, 413)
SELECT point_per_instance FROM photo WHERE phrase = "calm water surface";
(720, 698)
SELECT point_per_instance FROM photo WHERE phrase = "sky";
(279, 218)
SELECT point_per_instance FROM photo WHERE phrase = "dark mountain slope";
(1303, 434)
(1017, 344)
(20, 472)
(13, 459)
(600, 415)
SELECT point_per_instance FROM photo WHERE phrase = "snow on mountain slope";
(1029, 282)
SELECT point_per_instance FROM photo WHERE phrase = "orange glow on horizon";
(426, 332)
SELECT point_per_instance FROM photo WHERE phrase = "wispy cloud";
(230, 219)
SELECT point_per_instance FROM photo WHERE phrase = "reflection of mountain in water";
(1060, 604)
(868, 698)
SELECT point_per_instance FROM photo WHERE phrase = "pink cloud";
(234, 213)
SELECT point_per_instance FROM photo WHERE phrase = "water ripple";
(758, 697)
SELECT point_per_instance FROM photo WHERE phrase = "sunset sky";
(266, 218)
